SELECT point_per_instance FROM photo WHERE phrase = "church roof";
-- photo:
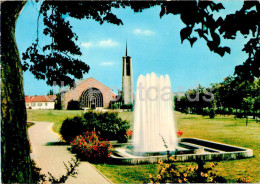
(77, 83)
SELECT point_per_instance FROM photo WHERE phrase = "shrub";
(109, 125)
(114, 106)
(212, 113)
(205, 112)
(127, 106)
(71, 127)
(73, 105)
(89, 146)
(37, 177)
(91, 120)
(239, 115)
(199, 173)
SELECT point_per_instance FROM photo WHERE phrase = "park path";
(50, 155)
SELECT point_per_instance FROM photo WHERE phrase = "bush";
(205, 112)
(114, 106)
(71, 127)
(89, 146)
(37, 177)
(73, 105)
(185, 111)
(108, 125)
(127, 106)
(239, 115)
(212, 113)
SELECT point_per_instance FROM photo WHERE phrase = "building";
(88, 93)
(127, 80)
(40, 102)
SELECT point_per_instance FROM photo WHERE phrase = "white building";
(40, 102)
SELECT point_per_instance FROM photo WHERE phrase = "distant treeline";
(232, 96)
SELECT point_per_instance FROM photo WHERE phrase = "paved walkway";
(50, 155)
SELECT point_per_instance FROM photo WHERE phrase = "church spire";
(126, 49)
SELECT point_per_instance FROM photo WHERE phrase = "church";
(90, 93)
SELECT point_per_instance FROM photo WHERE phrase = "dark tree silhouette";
(58, 61)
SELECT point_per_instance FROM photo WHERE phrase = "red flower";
(129, 133)
(90, 145)
(179, 133)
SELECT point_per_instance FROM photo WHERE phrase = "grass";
(52, 116)
(29, 124)
(127, 173)
(224, 129)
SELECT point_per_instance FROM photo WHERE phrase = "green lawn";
(52, 116)
(222, 129)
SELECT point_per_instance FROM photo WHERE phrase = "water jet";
(154, 134)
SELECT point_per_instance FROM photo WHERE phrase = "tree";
(57, 65)
(58, 60)
(50, 92)
(15, 149)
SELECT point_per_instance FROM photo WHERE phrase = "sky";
(153, 43)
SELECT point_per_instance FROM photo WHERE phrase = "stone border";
(218, 155)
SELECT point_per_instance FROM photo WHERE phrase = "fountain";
(154, 128)
(154, 133)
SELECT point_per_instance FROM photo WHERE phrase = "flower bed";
(199, 173)
(90, 147)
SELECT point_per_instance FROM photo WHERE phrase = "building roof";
(42, 98)
(77, 83)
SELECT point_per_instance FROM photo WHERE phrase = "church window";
(128, 68)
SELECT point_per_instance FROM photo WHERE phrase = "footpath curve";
(50, 155)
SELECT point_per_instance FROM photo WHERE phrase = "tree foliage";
(231, 96)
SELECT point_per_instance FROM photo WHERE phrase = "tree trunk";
(15, 161)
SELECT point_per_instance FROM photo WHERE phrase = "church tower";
(127, 80)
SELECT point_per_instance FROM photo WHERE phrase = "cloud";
(87, 44)
(107, 43)
(146, 32)
(102, 43)
(107, 64)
